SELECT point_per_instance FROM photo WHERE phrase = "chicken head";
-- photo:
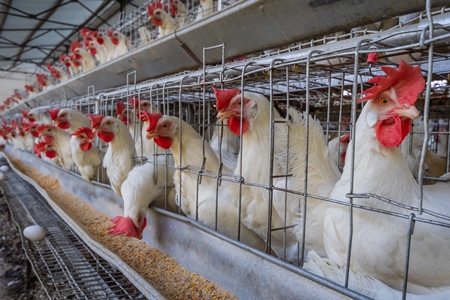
(84, 137)
(127, 226)
(105, 127)
(160, 129)
(391, 103)
(229, 103)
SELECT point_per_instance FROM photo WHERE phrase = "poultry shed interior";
(279, 149)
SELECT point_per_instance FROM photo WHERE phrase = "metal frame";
(307, 76)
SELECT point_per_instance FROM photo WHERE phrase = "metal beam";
(42, 22)
(37, 19)
(53, 8)
(69, 36)
(2, 25)
(16, 71)
(39, 29)
(95, 14)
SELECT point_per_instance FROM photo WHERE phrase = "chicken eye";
(164, 125)
(384, 101)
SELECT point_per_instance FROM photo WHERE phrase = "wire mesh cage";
(284, 168)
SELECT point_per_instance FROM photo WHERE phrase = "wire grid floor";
(66, 267)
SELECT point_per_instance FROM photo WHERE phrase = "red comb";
(85, 32)
(124, 226)
(153, 120)
(25, 113)
(86, 130)
(39, 147)
(224, 97)
(345, 137)
(40, 128)
(109, 32)
(151, 7)
(407, 81)
(50, 68)
(75, 45)
(53, 113)
(119, 107)
(26, 126)
(173, 8)
(134, 101)
(95, 120)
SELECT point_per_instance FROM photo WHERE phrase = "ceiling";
(34, 33)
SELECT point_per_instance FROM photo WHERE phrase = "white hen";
(167, 133)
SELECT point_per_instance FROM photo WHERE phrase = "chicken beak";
(95, 130)
(151, 135)
(409, 112)
(223, 115)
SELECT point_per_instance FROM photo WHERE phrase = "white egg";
(34, 232)
(2, 176)
(4, 168)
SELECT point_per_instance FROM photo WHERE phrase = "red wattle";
(163, 142)
(157, 22)
(106, 136)
(234, 125)
(49, 139)
(85, 146)
(390, 132)
(64, 125)
(50, 154)
(34, 134)
(115, 41)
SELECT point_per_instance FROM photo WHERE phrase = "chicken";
(178, 9)
(58, 73)
(17, 135)
(66, 60)
(39, 149)
(363, 284)
(28, 137)
(98, 51)
(138, 190)
(442, 139)
(205, 9)
(229, 145)
(121, 42)
(36, 115)
(338, 149)
(61, 140)
(43, 81)
(86, 59)
(118, 159)
(31, 90)
(379, 240)
(435, 165)
(104, 40)
(67, 118)
(255, 149)
(145, 36)
(85, 155)
(199, 203)
(161, 19)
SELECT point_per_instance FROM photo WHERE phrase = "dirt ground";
(14, 284)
